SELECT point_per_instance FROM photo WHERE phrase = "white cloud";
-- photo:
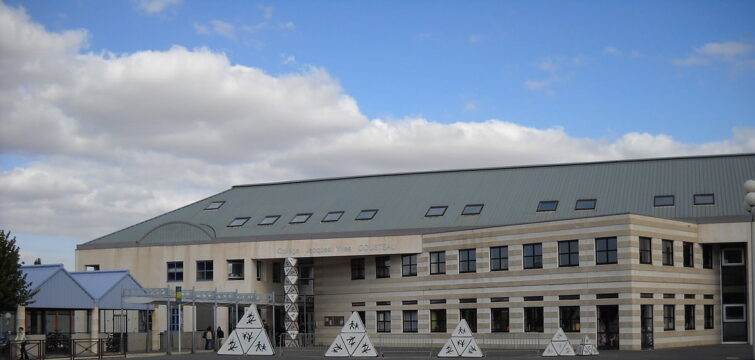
(223, 28)
(470, 106)
(474, 39)
(732, 52)
(154, 7)
(548, 65)
(288, 59)
(612, 51)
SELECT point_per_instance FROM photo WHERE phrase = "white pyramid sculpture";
(249, 337)
(559, 345)
(461, 343)
(352, 341)
(586, 347)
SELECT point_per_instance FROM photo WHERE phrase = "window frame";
(648, 251)
(569, 325)
(278, 275)
(203, 273)
(499, 260)
(383, 323)
(545, 206)
(495, 314)
(230, 264)
(215, 205)
(707, 256)
(173, 269)
(269, 220)
(469, 209)
(726, 317)
(431, 208)
(688, 254)
(357, 269)
(411, 266)
(438, 325)
(366, 215)
(538, 325)
(536, 256)
(667, 256)
(608, 250)
(471, 320)
(708, 316)
(326, 219)
(306, 217)
(411, 321)
(697, 202)
(594, 203)
(669, 317)
(260, 268)
(570, 253)
(657, 200)
(725, 262)
(470, 263)
(383, 271)
(437, 265)
(238, 222)
(689, 317)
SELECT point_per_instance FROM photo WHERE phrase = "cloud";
(288, 59)
(470, 106)
(731, 52)
(223, 28)
(474, 39)
(612, 51)
(548, 65)
(154, 7)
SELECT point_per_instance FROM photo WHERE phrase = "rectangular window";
(358, 304)
(669, 296)
(550, 205)
(569, 297)
(607, 296)
(94, 267)
(145, 321)
(568, 253)
(663, 200)
(383, 321)
(646, 250)
(472, 209)
(470, 315)
(533, 298)
(214, 205)
(408, 302)
(366, 214)
(357, 269)
(437, 262)
(499, 258)
(467, 260)
(409, 265)
(438, 320)
(708, 315)
(704, 199)
(277, 272)
(434, 211)
(204, 270)
(175, 271)
(707, 256)
(689, 255)
(500, 320)
(467, 300)
(668, 252)
(269, 220)
(236, 269)
(734, 313)
(689, 317)
(585, 204)
(733, 257)
(300, 218)
(689, 296)
(260, 269)
(669, 318)
(382, 303)
(605, 251)
(533, 319)
(437, 301)
(410, 321)
(174, 319)
(569, 318)
(382, 267)
(332, 216)
(500, 299)
(533, 256)
(363, 317)
(646, 295)
(239, 221)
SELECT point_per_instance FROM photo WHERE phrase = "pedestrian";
(220, 335)
(207, 336)
(21, 336)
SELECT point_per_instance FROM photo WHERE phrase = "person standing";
(208, 338)
(221, 335)
(21, 336)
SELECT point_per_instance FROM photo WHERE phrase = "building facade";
(636, 254)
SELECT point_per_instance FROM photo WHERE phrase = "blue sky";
(112, 112)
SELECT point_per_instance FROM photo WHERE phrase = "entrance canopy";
(161, 295)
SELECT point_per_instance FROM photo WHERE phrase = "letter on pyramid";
(247, 337)
(232, 346)
(250, 320)
(338, 348)
(261, 346)
(549, 350)
(472, 350)
(448, 350)
(353, 325)
(365, 348)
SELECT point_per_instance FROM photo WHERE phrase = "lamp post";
(749, 204)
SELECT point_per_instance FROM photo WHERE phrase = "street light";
(749, 187)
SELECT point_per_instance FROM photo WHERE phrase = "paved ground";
(717, 352)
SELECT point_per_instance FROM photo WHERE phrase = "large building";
(636, 254)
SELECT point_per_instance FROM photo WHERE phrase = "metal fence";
(62, 349)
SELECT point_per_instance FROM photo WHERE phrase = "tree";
(14, 289)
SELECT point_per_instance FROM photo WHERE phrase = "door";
(608, 326)
(646, 324)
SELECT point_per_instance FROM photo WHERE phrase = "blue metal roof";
(106, 287)
(36, 275)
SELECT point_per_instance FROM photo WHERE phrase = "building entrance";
(608, 326)
(646, 324)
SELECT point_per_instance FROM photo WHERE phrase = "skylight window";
(366, 214)
(663, 200)
(550, 205)
(269, 220)
(239, 221)
(300, 218)
(472, 209)
(436, 211)
(332, 216)
(704, 199)
(585, 204)
(214, 205)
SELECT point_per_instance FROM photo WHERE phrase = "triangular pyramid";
(586, 348)
(352, 341)
(559, 345)
(461, 343)
(549, 351)
(249, 337)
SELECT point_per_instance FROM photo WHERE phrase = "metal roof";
(510, 196)
(107, 287)
(56, 288)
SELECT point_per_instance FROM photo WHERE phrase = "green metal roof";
(510, 196)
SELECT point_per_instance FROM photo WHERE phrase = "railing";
(63, 349)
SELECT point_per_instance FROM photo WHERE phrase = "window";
(383, 321)
(663, 200)
(500, 320)
(668, 252)
(704, 199)
(689, 296)
(382, 267)
(569, 318)
(357, 269)
(646, 250)
(300, 218)
(533, 298)
(366, 215)
(568, 253)
(499, 258)
(533, 256)
(467, 300)
(470, 315)
(708, 316)
(689, 256)
(668, 317)
(569, 297)
(277, 272)
(585, 204)
(334, 321)
(174, 319)
(500, 299)
(363, 317)
(733, 257)
(669, 296)
(605, 251)
(646, 295)
(95, 267)
(689, 317)
(409, 265)
(236, 269)
(410, 321)
(467, 260)
(438, 320)
(607, 296)
(533, 319)
(214, 205)
(175, 271)
(145, 321)
(408, 302)
(734, 313)
(204, 270)
(260, 269)
(269, 220)
(437, 301)
(707, 256)
(434, 211)
(239, 221)
(549, 205)
(437, 262)
(332, 216)
(358, 304)
(382, 303)
(472, 209)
